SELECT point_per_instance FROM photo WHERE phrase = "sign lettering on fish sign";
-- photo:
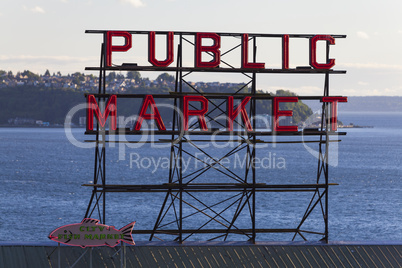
(89, 233)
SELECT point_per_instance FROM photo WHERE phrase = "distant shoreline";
(355, 126)
(29, 126)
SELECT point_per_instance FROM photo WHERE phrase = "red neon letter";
(110, 48)
(285, 51)
(154, 115)
(199, 113)
(214, 49)
(334, 109)
(313, 52)
(101, 117)
(241, 108)
(169, 50)
(276, 113)
(244, 55)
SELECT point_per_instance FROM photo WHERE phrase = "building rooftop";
(206, 254)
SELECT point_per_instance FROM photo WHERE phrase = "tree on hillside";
(165, 77)
(144, 81)
(134, 75)
(47, 73)
(30, 75)
(300, 110)
(119, 76)
(78, 78)
(111, 76)
(282, 92)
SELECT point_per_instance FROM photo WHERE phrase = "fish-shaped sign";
(89, 233)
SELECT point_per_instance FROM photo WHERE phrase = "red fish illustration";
(89, 233)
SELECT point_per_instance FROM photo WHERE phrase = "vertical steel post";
(99, 144)
(327, 127)
(253, 115)
(181, 149)
(104, 136)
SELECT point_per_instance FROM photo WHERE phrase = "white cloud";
(303, 90)
(361, 83)
(362, 35)
(36, 9)
(372, 66)
(38, 64)
(386, 91)
(41, 59)
(134, 3)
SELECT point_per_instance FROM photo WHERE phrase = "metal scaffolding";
(187, 194)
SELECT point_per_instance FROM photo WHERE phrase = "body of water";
(42, 172)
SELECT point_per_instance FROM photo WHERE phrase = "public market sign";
(201, 51)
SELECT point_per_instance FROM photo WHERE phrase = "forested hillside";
(52, 104)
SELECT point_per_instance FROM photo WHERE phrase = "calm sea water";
(42, 172)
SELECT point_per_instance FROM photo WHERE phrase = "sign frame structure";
(180, 186)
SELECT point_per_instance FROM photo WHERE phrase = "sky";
(50, 34)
